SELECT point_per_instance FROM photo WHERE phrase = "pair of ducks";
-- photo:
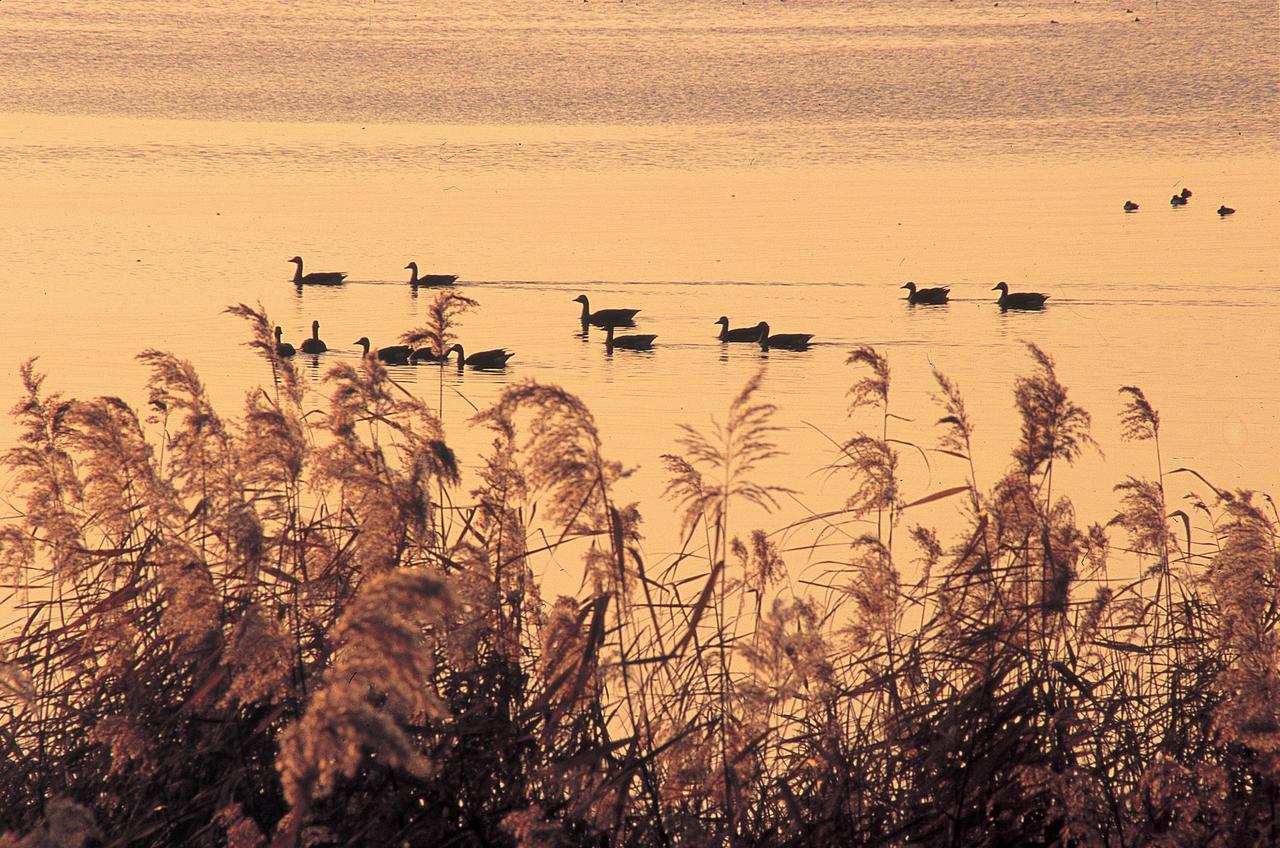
(760, 334)
(335, 278)
(405, 355)
(1008, 300)
(611, 319)
(311, 345)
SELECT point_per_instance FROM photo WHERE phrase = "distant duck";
(1019, 300)
(394, 355)
(483, 360)
(315, 278)
(1177, 200)
(429, 279)
(283, 348)
(606, 317)
(1130, 206)
(1224, 211)
(926, 297)
(632, 342)
(1185, 193)
(785, 341)
(313, 344)
(741, 334)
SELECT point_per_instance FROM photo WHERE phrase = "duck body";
(1177, 200)
(394, 355)
(631, 342)
(315, 278)
(313, 344)
(1019, 300)
(484, 360)
(1130, 206)
(429, 279)
(283, 348)
(926, 297)
(783, 341)
(740, 334)
(1224, 211)
(426, 354)
(605, 318)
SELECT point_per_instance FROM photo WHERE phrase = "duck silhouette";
(605, 317)
(1177, 200)
(927, 297)
(394, 355)
(429, 279)
(1224, 211)
(1130, 206)
(631, 342)
(740, 334)
(313, 344)
(315, 278)
(283, 348)
(1019, 300)
(785, 341)
(483, 360)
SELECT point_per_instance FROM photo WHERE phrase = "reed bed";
(300, 628)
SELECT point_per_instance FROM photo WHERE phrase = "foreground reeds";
(299, 629)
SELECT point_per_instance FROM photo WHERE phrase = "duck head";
(1001, 287)
(297, 260)
(279, 333)
(763, 327)
(723, 320)
(458, 349)
(582, 298)
(411, 265)
(315, 327)
(363, 342)
(911, 287)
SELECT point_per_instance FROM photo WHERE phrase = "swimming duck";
(283, 348)
(632, 342)
(394, 355)
(785, 341)
(1224, 211)
(928, 297)
(1177, 200)
(1130, 206)
(313, 344)
(429, 279)
(605, 317)
(741, 334)
(1019, 300)
(315, 278)
(485, 359)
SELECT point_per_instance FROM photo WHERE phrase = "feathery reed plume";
(733, 452)
(1052, 426)
(442, 314)
(1139, 420)
(262, 339)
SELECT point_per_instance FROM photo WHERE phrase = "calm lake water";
(794, 162)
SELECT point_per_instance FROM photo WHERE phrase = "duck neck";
(297, 272)
(315, 330)
(413, 275)
(724, 329)
(461, 354)
(586, 311)
(364, 343)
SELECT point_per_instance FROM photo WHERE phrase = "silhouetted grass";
(298, 629)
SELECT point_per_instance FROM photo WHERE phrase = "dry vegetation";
(296, 629)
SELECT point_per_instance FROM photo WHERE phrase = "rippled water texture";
(794, 162)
